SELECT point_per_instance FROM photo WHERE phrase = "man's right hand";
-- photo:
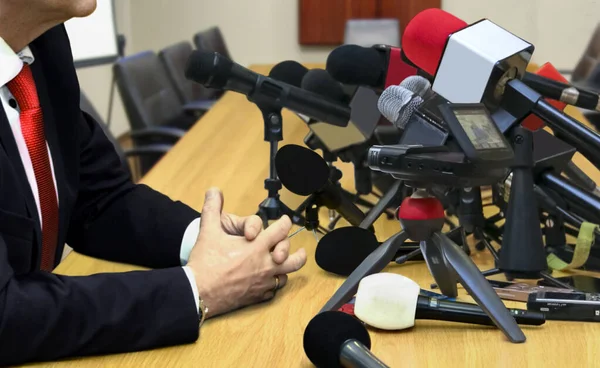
(232, 272)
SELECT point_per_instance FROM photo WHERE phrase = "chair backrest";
(590, 58)
(148, 95)
(174, 59)
(368, 32)
(211, 40)
(87, 107)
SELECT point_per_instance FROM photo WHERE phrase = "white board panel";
(94, 38)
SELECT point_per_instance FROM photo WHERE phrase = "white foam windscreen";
(94, 38)
(387, 301)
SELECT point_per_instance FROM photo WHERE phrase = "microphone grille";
(397, 104)
(408, 111)
(419, 85)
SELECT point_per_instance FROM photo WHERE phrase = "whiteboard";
(94, 38)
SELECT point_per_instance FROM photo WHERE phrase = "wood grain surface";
(226, 149)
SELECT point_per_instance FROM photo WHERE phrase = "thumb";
(211, 211)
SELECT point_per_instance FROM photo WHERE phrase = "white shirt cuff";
(192, 279)
(189, 240)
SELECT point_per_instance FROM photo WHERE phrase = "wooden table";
(226, 149)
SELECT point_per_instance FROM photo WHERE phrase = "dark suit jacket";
(44, 316)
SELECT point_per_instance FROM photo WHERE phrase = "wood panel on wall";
(322, 22)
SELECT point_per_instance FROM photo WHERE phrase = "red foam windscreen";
(425, 37)
(532, 122)
(398, 70)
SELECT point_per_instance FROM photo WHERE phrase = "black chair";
(148, 153)
(193, 95)
(148, 96)
(211, 40)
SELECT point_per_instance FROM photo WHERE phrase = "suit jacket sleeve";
(44, 316)
(117, 220)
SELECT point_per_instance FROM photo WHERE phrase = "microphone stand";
(523, 254)
(272, 208)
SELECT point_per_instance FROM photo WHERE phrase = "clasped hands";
(235, 262)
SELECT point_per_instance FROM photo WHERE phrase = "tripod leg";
(332, 224)
(381, 206)
(479, 288)
(442, 273)
(296, 217)
(487, 244)
(408, 257)
(546, 276)
(375, 262)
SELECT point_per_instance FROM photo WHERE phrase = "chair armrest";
(162, 131)
(199, 105)
(150, 149)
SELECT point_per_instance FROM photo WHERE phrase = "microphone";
(392, 302)
(533, 122)
(304, 172)
(398, 104)
(451, 49)
(378, 67)
(336, 339)
(289, 71)
(563, 92)
(419, 85)
(343, 249)
(213, 70)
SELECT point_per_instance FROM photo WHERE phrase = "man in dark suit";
(61, 181)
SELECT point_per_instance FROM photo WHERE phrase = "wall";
(256, 31)
(559, 29)
(266, 31)
(96, 81)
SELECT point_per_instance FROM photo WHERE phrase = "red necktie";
(32, 126)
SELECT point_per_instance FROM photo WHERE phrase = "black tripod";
(522, 254)
(422, 217)
(272, 208)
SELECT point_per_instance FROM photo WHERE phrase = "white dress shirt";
(10, 66)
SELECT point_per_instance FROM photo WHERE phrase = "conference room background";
(266, 32)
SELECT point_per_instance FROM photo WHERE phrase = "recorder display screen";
(480, 129)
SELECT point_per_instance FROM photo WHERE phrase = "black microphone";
(379, 66)
(572, 193)
(343, 249)
(304, 172)
(216, 71)
(336, 339)
(563, 92)
(289, 71)
(444, 310)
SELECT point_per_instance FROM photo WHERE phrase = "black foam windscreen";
(352, 64)
(342, 250)
(204, 66)
(327, 332)
(301, 171)
(320, 82)
(290, 72)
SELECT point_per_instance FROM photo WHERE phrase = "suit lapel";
(7, 140)
(51, 131)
